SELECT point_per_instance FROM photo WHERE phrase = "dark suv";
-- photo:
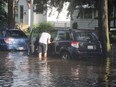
(69, 43)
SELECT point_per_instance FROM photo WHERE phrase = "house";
(88, 17)
(24, 15)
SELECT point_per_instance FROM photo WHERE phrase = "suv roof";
(87, 30)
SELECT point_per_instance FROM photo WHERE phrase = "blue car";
(13, 39)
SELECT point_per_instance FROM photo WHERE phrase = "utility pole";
(31, 13)
(31, 45)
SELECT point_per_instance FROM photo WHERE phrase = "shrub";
(35, 26)
(45, 26)
(42, 27)
(113, 36)
(75, 25)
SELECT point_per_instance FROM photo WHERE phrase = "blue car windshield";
(16, 33)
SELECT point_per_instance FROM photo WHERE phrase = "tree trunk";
(11, 14)
(103, 27)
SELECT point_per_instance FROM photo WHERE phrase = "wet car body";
(70, 43)
(112, 36)
(13, 39)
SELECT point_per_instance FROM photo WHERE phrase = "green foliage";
(45, 26)
(42, 27)
(41, 5)
(35, 26)
(113, 35)
(3, 12)
(75, 25)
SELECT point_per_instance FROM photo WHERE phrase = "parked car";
(70, 43)
(13, 39)
(112, 36)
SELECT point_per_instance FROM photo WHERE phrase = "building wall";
(61, 21)
(25, 13)
(38, 18)
(89, 23)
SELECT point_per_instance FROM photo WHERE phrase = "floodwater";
(17, 69)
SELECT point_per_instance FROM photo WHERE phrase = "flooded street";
(17, 69)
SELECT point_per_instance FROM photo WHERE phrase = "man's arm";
(49, 41)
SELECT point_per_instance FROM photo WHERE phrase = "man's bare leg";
(45, 55)
(40, 56)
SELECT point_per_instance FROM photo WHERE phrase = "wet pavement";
(17, 69)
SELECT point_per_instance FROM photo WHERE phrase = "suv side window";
(53, 35)
(63, 35)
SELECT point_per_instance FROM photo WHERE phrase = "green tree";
(45, 26)
(3, 12)
(11, 14)
(41, 5)
(75, 25)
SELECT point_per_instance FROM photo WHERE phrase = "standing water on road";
(19, 70)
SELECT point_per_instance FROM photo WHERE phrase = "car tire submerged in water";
(65, 55)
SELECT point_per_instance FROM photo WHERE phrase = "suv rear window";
(85, 36)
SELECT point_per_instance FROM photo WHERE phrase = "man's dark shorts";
(42, 48)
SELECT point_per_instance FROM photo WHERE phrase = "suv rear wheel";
(65, 55)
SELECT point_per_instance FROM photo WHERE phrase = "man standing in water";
(44, 40)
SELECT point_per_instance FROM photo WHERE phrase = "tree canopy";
(42, 4)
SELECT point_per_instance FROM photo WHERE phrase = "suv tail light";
(8, 40)
(75, 44)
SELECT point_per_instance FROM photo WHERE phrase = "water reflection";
(106, 77)
(19, 70)
(75, 74)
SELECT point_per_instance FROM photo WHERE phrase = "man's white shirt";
(44, 37)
